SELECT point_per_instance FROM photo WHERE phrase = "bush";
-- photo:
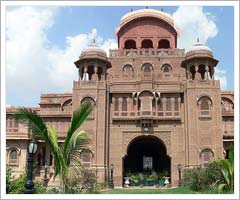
(16, 186)
(202, 179)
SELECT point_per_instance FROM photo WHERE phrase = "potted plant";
(161, 179)
(154, 178)
(127, 179)
(134, 180)
(141, 178)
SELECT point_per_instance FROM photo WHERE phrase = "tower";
(92, 86)
(202, 107)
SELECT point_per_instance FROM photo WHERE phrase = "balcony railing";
(147, 52)
(147, 114)
(55, 111)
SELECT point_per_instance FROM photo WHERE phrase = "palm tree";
(227, 172)
(66, 156)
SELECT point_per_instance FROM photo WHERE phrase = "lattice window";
(176, 105)
(116, 105)
(205, 106)
(13, 157)
(124, 104)
(166, 68)
(206, 155)
(168, 104)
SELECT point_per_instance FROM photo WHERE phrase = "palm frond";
(79, 116)
(78, 143)
(221, 187)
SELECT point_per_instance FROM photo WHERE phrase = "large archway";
(146, 154)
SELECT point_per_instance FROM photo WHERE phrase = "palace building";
(155, 105)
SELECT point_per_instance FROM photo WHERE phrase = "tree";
(66, 156)
(227, 172)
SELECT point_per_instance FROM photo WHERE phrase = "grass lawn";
(180, 190)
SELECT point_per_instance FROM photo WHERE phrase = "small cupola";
(93, 64)
(199, 62)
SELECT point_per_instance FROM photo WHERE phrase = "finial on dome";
(146, 7)
(197, 40)
(94, 42)
(162, 9)
(131, 9)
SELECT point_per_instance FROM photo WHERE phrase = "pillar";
(206, 73)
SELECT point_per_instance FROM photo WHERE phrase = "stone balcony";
(155, 115)
(147, 52)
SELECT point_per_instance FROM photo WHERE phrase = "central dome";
(93, 51)
(146, 13)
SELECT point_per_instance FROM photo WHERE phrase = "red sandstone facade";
(152, 102)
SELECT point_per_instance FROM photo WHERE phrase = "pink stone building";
(156, 106)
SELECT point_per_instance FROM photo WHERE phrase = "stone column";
(164, 104)
(95, 76)
(79, 73)
(120, 100)
(113, 106)
(150, 104)
(206, 73)
(129, 105)
(196, 73)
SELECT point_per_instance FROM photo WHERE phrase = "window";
(147, 44)
(116, 105)
(166, 68)
(163, 44)
(124, 104)
(128, 69)
(86, 159)
(92, 102)
(130, 44)
(227, 104)
(204, 106)
(206, 155)
(13, 157)
(67, 105)
(168, 104)
(147, 163)
(147, 68)
(176, 104)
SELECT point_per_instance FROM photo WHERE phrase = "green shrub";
(202, 179)
(52, 191)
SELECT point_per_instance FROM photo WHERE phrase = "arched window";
(202, 71)
(147, 44)
(128, 69)
(166, 68)
(205, 106)
(67, 105)
(90, 71)
(206, 155)
(13, 157)
(163, 44)
(92, 102)
(147, 68)
(227, 104)
(86, 158)
(130, 44)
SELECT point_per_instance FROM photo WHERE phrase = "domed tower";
(92, 86)
(93, 64)
(199, 63)
(202, 107)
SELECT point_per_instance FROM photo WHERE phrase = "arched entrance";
(146, 154)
